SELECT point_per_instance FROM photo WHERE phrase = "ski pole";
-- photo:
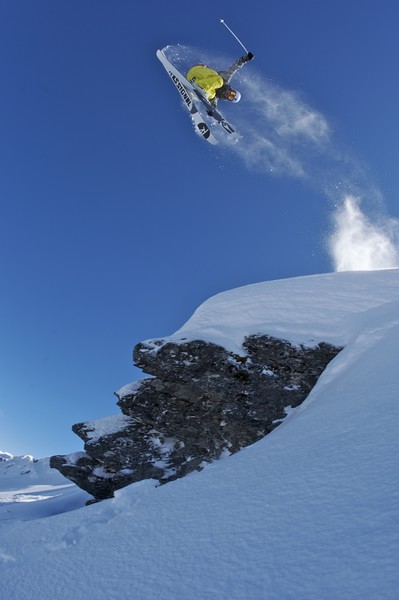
(233, 34)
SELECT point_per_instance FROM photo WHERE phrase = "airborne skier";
(203, 87)
(216, 84)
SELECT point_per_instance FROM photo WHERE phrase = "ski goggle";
(233, 96)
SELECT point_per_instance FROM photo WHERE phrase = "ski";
(212, 112)
(188, 101)
(194, 101)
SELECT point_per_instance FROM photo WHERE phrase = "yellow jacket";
(206, 78)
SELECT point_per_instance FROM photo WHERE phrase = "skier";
(216, 84)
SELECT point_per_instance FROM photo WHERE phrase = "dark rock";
(200, 402)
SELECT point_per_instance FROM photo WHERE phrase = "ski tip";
(161, 51)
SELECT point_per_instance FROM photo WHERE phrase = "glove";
(249, 56)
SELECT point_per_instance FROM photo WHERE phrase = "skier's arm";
(236, 66)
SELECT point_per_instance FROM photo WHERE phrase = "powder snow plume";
(282, 133)
(287, 137)
(357, 244)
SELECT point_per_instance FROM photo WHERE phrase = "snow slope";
(310, 512)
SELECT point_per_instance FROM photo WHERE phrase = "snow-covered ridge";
(329, 308)
(5, 455)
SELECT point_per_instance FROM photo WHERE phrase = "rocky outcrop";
(200, 402)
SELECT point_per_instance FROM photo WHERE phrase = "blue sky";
(117, 221)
